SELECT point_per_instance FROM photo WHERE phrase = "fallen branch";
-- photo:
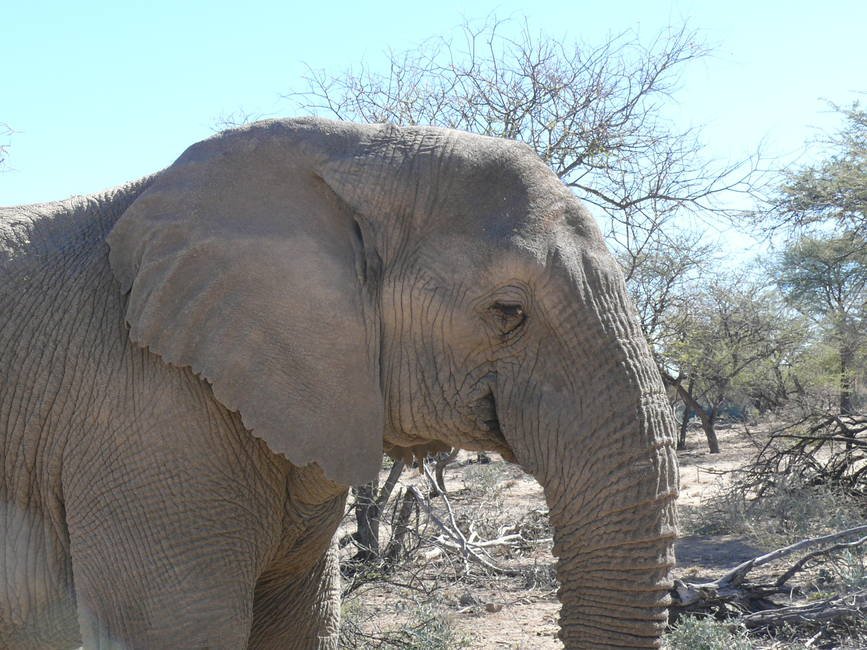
(731, 591)
(846, 606)
(452, 538)
(737, 575)
(799, 565)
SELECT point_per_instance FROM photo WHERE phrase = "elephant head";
(349, 287)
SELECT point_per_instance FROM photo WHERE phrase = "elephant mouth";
(489, 423)
(486, 414)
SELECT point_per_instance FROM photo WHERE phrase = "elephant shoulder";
(42, 234)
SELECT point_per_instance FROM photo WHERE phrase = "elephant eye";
(508, 316)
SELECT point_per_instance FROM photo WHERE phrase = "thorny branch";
(822, 448)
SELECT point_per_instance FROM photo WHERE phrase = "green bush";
(705, 633)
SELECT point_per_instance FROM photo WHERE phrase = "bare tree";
(594, 113)
(660, 278)
(5, 132)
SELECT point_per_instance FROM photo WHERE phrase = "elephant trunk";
(614, 527)
(602, 446)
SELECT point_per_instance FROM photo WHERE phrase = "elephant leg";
(299, 612)
(159, 569)
(184, 611)
(150, 596)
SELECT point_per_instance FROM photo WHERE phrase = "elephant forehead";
(453, 260)
(504, 203)
(495, 217)
(521, 245)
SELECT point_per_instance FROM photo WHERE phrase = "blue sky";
(104, 92)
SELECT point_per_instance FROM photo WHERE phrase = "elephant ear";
(242, 263)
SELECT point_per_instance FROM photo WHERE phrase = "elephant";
(198, 364)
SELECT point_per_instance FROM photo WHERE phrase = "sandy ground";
(700, 477)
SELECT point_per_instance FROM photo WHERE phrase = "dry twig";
(453, 538)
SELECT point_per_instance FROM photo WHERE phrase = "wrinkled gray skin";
(196, 365)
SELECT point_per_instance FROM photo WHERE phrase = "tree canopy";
(831, 192)
(822, 270)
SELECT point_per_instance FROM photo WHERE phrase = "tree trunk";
(846, 356)
(366, 522)
(684, 422)
(707, 422)
(397, 546)
(845, 381)
(369, 505)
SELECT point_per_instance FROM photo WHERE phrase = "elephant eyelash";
(509, 316)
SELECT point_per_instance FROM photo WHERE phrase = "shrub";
(705, 633)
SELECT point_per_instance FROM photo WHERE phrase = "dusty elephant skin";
(196, 365)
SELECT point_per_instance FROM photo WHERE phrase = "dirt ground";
(520, 611)
(700, 477)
